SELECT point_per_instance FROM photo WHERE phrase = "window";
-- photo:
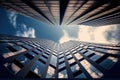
(11, 48)
(27, 46)
(74, 68)
(55, 53)
(29, 56)
(108, 63)
(67, 53)
(63, 74)
(69, 56)
(32, 53)
(95, 73)
(83, 51)
(95, 57)
(43, 59)
(46, 55)
(87, 53)
(37, 51)
(12, 67)
(79, 49)
(61, 65)
(50, 72)
(101, 49)
(53, 60)
(23, 60)
(38, 67)
(61, 55)
(74, 52)
(78, 56)
(61, 59)
(82, 75)
(71, 61)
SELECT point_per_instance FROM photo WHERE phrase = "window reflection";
(50, 72)
(75, 68)
(78, 56)
(91, 69)
(63, 74)
(108, 63)
(71, 61)
(12, 67)
(38, 67)
(22, 59)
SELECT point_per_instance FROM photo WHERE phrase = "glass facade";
(81, 61)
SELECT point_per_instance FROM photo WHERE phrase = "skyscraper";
(68, 12)
(22, 57)
(39, 58)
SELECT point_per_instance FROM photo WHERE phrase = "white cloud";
(65, 37)
(12, 17)
(92, 34)
(26, 32)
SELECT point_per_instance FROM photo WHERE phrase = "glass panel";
(63, 74)
(67, 53)
(12, 67)
(82, 75)
(94, 72)
(37, 51)
(75, 68)
(38, 67)
(32, 53)
(61, 55)
(22, 59)
(78, 56)
(61, 65)
(101, 49)
(74, 52)
(71, 61)
(83, 51)
(53, 60)
(27, 46)
(95, 57)
(69, 56)
(46, 55)
(43, 58)
(109, 62)
(50, 72)
(62, 59)
(87, 53)
(16, 47)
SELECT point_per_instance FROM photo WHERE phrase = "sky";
(16, 24)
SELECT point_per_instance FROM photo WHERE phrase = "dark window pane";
(23, 60)
(32, 53)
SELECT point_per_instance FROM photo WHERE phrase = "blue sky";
(13, 23)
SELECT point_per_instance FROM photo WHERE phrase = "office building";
(68, 12)
(39, 58)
